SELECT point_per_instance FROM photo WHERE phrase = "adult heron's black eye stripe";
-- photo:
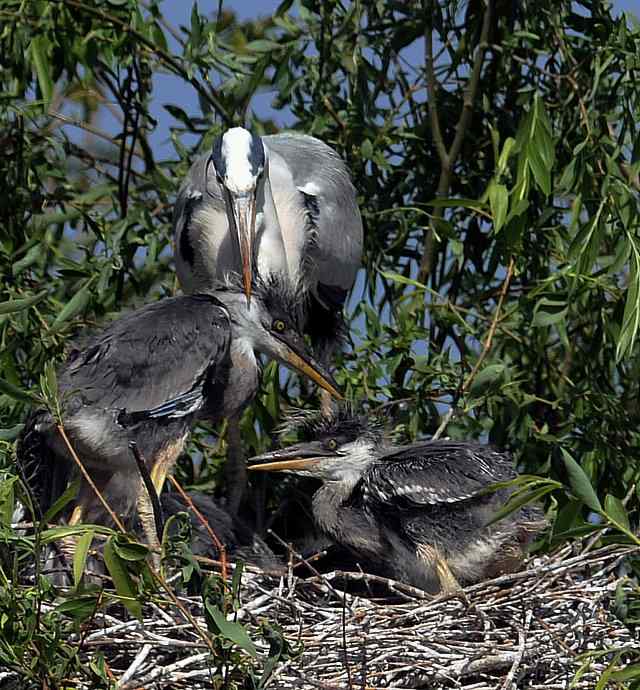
(256, 155)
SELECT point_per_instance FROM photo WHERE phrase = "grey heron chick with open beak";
(147, 378)
(419, 511)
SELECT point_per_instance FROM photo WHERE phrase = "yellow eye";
(332, 444)
(279, 326)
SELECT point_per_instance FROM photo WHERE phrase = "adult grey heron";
(147, 377)
(280, 204)
(420, 510)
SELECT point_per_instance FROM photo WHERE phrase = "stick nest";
(553, 623)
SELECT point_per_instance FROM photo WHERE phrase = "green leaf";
(548, 311)
(499, 202)
(519, 499)
(262, 46)
(631, 317)
(75, 305)
(7, 500)
(79, 607)
(55, 533)
(403, 280)
(129, 550)
(490, 374)
(80, 555)
(17, 393)
(70, 493)
(233, 632)
(615, 510)
(21, 304)
(38, 49)
(580, 483)
(121, 579)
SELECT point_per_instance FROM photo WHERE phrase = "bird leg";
(150, 517)
(235, 468)
(449, 585)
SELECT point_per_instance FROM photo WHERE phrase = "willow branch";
(448, 157)
(164, 57)
(87, 477)
(222, 551)
(485, 349)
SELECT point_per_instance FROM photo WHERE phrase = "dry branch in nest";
(543, 627)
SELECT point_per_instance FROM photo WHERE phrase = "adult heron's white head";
(239, 160)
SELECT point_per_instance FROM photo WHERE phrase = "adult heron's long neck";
(272, 255)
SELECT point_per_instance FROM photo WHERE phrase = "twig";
(449, 157)
(135, 665)
(205, 523)
(485, 349)
(300, 557)
(509, 681)
(85, 474)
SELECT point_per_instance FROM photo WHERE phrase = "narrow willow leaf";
(16, 305)
(74, 306)
(79, 607)
(231, 631)
(580, 483)
(38, 51)
(80, 555)
(69, 494)
(518, 500)
(615, 510)
(403, 280)
(17, 393)
(631, 317)
(121, 579)
(499, 202)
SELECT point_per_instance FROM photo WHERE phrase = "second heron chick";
(147, 378)
(419, 512)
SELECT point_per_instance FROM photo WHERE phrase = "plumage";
(419, 512)
(307, 223)
(149, 375)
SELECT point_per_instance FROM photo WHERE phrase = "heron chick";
(148, 377)
(421, 512)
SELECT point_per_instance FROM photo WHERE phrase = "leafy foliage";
(493, 146)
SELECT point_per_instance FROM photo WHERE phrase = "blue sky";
(171, 90)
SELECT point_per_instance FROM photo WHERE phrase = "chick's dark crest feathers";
(344, 421)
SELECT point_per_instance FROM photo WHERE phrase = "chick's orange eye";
(332, 444)
(279, 326)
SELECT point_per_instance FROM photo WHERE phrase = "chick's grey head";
(271, 323)
(338, 447)
(239, 160)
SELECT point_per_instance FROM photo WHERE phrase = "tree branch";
(485, 350)
(448, 158)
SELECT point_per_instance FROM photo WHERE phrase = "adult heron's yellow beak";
(314, 370)
(244, 218)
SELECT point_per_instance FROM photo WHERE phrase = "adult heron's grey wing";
(154, 361)
(435, 472)
(328, 198)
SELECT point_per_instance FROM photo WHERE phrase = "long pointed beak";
(315, 371)
(302, 456)
(244, 219)
(287, 465)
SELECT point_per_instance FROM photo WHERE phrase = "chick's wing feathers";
(154, 360)
(435, 472)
